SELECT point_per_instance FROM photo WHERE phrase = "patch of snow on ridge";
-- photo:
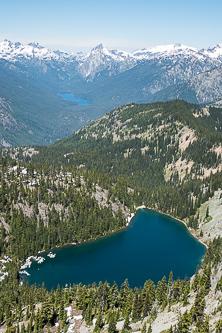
(214, 52)
(71, 328)
(3, 276)
(69, 310)
(164, 50)
(79, 317)
(3, 272)
(14, 51)
(5, 260)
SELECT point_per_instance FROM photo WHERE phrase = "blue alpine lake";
(151, 247)
(72, 98)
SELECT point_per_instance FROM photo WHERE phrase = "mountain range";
(31, 76)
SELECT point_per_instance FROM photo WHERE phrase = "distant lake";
(151, 247)
(72, 98)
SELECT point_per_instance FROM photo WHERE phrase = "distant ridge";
(31, 76)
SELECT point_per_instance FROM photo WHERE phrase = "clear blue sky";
(75, 26)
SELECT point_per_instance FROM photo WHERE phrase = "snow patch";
(68, 309)
(71, 328)
(51, 255)
(129, 218)
(24, 272)
(78, 317)
(29, 261)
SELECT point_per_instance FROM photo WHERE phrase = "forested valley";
(166, 156)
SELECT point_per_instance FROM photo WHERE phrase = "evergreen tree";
(196, 279)
(161, 293)
(11, 329)
(136, 306)
(99, 321)
(143, 330)
(149, 329)
(219, 326)
(88, 314)
(170, 280)
(126, 325)
(170, 330)
(112, 323)
(198, 307)
(184, 322)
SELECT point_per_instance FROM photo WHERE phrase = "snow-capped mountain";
(17, 51)
(163, 51)
(31, 76)
(114, 61)
(101, 58)
(214, 52)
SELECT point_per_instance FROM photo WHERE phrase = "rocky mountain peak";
(98, 47)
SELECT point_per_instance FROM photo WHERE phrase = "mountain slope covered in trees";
(166, 156)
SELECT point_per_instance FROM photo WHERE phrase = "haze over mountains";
(31, 76)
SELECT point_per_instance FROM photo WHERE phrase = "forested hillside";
(166, 156)
(164, 150)
(152, 133)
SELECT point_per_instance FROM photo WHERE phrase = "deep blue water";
(152, 246)
(70, 97)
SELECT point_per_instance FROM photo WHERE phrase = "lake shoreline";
(68, 96)
(128, 222)
(177, 219)
(162, 241)
(74, 244)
